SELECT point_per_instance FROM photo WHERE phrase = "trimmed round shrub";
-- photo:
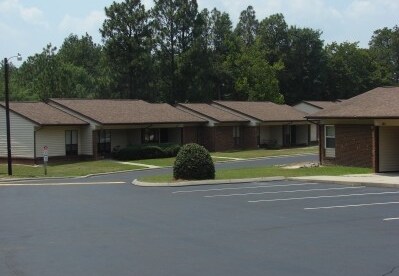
(193, 162)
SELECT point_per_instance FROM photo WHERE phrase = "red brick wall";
(191, 135)
(249, 137)
(223, 136)
(208, 141)
(354, 146)
(220, 138)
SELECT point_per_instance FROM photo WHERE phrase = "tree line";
(175, 52)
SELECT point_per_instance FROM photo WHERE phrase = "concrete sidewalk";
(390, 180)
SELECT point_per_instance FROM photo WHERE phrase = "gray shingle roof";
(264, 111)
(43, 114)
(381, 102)
(322, 104)
(127, 111)
(214, 113)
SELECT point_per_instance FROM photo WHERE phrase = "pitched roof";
(214, 113)
(127, 111)
(322, 104)
(43, 114)
(381, 102)
(264, 111)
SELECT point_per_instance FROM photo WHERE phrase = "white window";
(71, 142)
(329, 142)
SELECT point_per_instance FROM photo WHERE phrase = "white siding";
(54, 138)
(265, 134)
(268, 133)
(86, 140)
(330, 153)
(277, 134)
(22, 138)
(134, 137)
(307, 108)
(119, 138)
(302, 134)
(389, 149)
(313, 133)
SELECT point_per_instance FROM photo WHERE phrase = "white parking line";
(389, 219)
(316, 197)
(59, 184)
(281, 192)
(243, 188)
(354, 205)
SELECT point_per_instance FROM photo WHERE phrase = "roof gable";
(322, 104)
(264, 111)
(127, 111)
(43, 114)
(213, 113)
(381, 102)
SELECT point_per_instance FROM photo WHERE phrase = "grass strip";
(270, 171)
(65, 170)
(266, 152)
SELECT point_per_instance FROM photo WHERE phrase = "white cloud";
(360, 9)
(8, 6)
(90, 23)
(32, 15)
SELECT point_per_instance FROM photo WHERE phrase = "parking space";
(304, 196)
(265, 228)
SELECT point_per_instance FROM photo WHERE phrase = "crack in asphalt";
(391, 271)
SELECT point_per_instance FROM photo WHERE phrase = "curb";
(143, 169)
(73, 177)
(206, 182)
(348, 183)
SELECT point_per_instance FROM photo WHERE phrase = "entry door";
(388, 149)
(163, 135)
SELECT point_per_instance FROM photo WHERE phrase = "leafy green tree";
(83, 61)
(247, 26)
(223, 44)
(350, 70)
(174, 22)
(16, 91)
(273, 37)
(127, 37)
(303, 76)
(195, 66)
(46, 76)
(384, 47)
(255, 78)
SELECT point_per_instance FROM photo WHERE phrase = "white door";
(389, 149)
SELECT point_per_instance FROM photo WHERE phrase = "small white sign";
(45, 154)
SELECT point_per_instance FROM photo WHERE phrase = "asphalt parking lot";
(268, 228)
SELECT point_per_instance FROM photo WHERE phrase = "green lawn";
(270, 171)
(168, 162)
(103, 166)
(266, 152)
(164, 162)
(71, 169)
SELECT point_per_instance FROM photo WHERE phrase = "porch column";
(95, 141)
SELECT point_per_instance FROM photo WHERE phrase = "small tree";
(193, 162)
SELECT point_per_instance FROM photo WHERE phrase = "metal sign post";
(45, 159)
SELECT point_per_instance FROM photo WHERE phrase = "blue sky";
(27, 26)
